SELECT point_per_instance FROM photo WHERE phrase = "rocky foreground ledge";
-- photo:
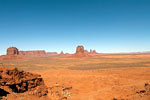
(14, 81)
(20, 85)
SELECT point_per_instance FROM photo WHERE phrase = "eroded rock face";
(51, 53)
(33, 53)
(17, 81)
(12, 51)
(12, 54)
(80, 52)
(147, 86)
(93, 51)
(80, 49)
(61, 53)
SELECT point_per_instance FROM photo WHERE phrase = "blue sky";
(56, 25)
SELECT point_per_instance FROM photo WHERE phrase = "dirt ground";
(101, 84)
(103, 77)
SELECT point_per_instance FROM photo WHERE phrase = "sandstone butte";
(61, 53)
(13, 53)
(93, 52)
(80, 52)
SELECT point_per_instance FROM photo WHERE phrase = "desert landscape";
(80, 76)
(74, 50)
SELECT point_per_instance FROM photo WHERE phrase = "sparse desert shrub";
(16, 69)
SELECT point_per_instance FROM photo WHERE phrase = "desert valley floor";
(101, 77)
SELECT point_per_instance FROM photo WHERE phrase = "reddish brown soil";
(85, 83)
(102, 84)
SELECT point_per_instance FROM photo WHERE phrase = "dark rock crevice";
(3, 92)
(18, 81)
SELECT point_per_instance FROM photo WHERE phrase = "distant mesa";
(61, 53)
(51, 53)
(93, 51)
(64, 54)
(33, 53)
(86, 51)
(12, 51)
(12, 54)
(80, 52)
(80, 49)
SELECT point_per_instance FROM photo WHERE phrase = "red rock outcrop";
(86, 51)
(12, 54)
(80, 52)
(93, 51)
(33, 53)
(12, 51)
(17, 81)
(51, 53)
(61, 53)
(80, 49)
(147, 87)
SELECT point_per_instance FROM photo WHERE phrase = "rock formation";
(93, 51)
(12, 54)
(61, 53)
(51, 53)
(80, 52)
(17, 81)
(12, 51)
(33, 53)
(86, 51)
(147, 87)
(80, 49)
